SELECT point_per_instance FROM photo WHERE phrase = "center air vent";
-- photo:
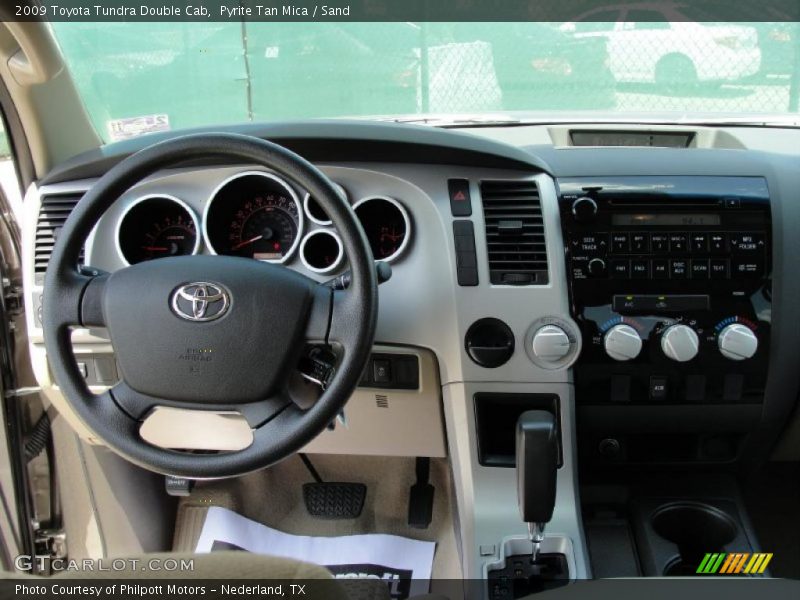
(514, 233)
(53, 214)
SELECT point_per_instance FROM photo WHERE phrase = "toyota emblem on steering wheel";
(200, 301)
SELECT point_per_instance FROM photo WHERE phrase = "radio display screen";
(665, 219)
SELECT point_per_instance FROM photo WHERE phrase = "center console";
(669, 282)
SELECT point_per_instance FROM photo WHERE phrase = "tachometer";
(157, 226)
(254, 215)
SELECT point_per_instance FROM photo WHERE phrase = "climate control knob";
(622, 342)
(680, 343)
(550, 343)
(737, 342)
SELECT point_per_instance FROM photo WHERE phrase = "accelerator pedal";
(420, 500)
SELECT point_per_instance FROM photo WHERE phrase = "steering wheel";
(208, 333)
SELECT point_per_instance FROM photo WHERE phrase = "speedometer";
(254, 215)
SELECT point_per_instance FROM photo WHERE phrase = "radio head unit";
(669, 280)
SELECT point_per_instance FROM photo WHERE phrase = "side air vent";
(53, 214)
(514, 232)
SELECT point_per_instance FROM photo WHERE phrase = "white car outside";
(669, 48)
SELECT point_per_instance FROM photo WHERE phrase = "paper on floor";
(405, 563)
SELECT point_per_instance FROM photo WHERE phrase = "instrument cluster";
(257, 214)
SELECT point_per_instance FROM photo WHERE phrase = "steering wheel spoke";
(79, 302)
(319, 315)
(343, 314)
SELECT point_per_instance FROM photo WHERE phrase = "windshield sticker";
(124, 129)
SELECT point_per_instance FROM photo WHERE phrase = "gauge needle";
(246, 242)
(154, 248)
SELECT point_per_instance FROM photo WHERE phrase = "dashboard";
(513, 261)
(645, 295)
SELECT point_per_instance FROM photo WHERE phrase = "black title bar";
(394, 10)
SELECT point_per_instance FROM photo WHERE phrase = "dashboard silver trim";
(278, 180)
(406, 219)
(117, 228)
(311, 217)
(339, 256)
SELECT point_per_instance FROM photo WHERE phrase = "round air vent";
(489, 342)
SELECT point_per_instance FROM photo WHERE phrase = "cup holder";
(696, 529)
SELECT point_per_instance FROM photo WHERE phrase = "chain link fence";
(217, 73)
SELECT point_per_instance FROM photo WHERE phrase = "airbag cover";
(205, 351)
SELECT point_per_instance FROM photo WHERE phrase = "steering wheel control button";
(460, 201)
(318, 366)
(622, 342)
(200, 301)
(466, 259)
(659, 388)
(737, 342)
(680, 343)
(489, 342)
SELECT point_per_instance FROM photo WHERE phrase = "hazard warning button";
(460, 202)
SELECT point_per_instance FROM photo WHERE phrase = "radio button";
(640, 269)
(719, 268)
(747, 243)
(596, 267)
(620, 269)
(678, 269)
(659, 242)
(620, 243)
(678, 243)
(699, 242)
(700, 268)
(660, 268)
(592, 244)
(718, 243)
(747, 268)
(640, 243)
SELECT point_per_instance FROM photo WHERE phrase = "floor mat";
(402, 563)
(274, 497)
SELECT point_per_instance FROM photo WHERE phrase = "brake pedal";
(334, 500)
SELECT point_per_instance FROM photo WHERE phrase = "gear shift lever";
(537, 462)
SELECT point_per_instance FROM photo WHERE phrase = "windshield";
(140, 77)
